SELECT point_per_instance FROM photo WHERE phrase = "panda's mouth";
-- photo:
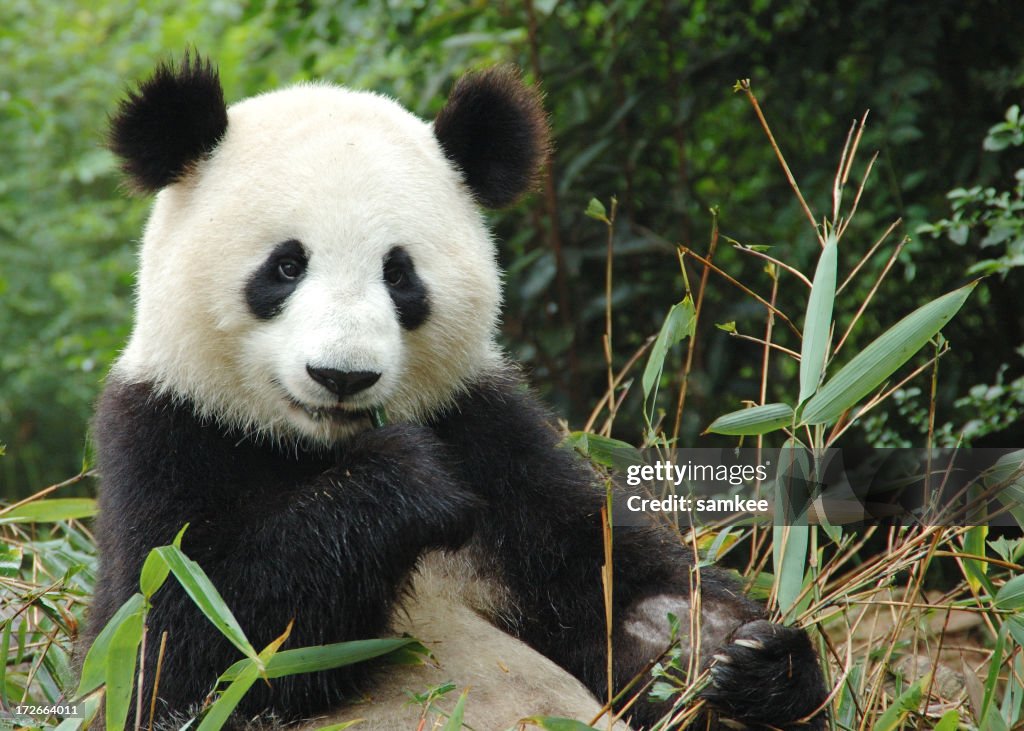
(330, 413)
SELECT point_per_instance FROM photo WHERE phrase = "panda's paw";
(408, 472)
(767, 676)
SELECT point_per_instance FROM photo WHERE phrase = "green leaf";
(89, 708)
(755, 420)
(976, 571)
(94, 672)
(790, 533)
(1015, 626)
(605, 450)
(154, 574)
(10, 560)
(949, 722)
(818, 320)
(222, 708)
(679, 324)
(908, 701)
(122, 655)
(205, 595)
(596, 210)
(1011, 594)
(326, 657)
(52, 510)
(340, 726)
(455, 720)
(882, 358)
(1006, 474)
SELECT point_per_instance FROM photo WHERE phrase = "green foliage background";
(641, 102)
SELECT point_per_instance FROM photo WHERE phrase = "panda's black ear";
(493, 127)
(174, 118)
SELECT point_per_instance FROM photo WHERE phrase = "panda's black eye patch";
(407, 289)
(270, 285)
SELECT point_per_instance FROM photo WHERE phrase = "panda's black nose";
(343, 383)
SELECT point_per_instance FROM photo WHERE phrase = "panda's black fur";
(174, 118)
(329, 537)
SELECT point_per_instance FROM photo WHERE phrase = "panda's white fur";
(275, 177)
(505, 679)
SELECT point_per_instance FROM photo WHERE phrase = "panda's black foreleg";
(542, 537)
(324, 542)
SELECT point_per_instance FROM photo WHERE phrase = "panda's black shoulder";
(154, 452)
(504, 402)
(147, 441)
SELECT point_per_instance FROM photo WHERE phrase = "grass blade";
(882, 358)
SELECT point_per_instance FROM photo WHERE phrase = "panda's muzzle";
(343, 383)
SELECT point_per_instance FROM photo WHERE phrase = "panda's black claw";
(767, 677)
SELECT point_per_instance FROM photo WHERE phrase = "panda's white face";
(326, 259)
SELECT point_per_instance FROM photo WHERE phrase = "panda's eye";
(289, 269)
(394, 274)
(407, 289)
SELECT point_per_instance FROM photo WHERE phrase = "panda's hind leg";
(762, 675)
(766, 673)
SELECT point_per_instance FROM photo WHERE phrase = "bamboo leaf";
(882, 358)
(755, 420)
(818, 320)
(202, 591)
(94, 672)
(1008, 475)
(1011, 594)
(52, 510)
(121, 658)
(154, 574)
(225, 705)
(605, 450)
(678, 325)
(976, 571)
(790, 533)
(326, 657)
(909, 700)
(455, 720)
(596, 210)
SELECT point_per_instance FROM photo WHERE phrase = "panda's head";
(314, 252)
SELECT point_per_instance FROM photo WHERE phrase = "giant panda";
(315, 257)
